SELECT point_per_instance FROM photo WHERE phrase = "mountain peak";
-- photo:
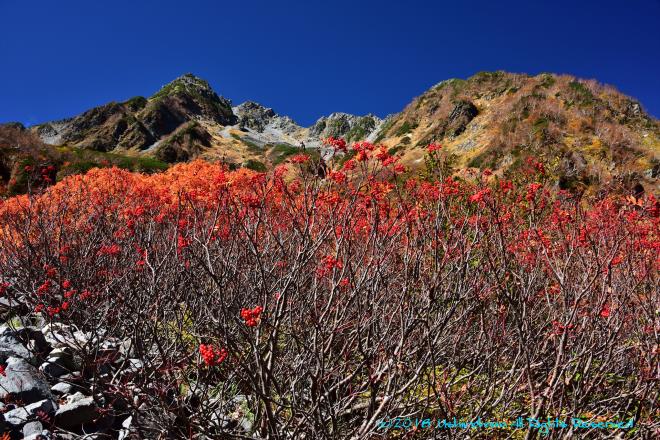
(251, 106)
(193, 97)
(186, 83)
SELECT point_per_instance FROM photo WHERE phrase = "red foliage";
(376, 285)
(337, 144)
(300, 158)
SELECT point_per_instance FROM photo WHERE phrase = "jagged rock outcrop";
(256, 117)
(101, 128)
(15, 125)
(23, 381)
(263, 127)
(194, 96)
(463, 112)
(350, 127)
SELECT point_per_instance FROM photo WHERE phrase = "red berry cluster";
(605, 311)
(46, 172)
(300, 158)
(337, 144)
(44, 287)
(211, 355)
(252, 316)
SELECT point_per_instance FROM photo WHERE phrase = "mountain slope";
(27, 163)
(587, 132)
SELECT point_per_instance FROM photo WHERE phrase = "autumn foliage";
(333, 302)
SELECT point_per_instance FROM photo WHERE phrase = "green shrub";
(136, 103)
(406, 128)
(392, 151)
(547, 81)
(341, 160)
(582, 92)
(150, 165)
(280, 152)
(255, 165)
(252, 147)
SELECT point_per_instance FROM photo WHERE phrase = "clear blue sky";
(309, 58)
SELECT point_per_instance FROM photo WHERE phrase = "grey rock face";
(32, 430)
(231, 414)
(35, 339)
(468, 145)
(54, 367)
(78, 410)
(633, 109)
(268, 128)
(62, 336)
(258, 118)
(351, 127)
(64, 355)
(61, 388)
(572, 164)
(254, 116)
(133, 366)
(52, 132)
(57, 336)
(19, 416)
(653, 173)
(461, 115)
(127, 348)
(10, 346)
(24, 381)
(125, 430)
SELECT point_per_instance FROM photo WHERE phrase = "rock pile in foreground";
(42, 392)
(46, 391)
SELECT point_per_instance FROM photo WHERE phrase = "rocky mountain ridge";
(189, 105)
(263, 126)
(590, 134)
